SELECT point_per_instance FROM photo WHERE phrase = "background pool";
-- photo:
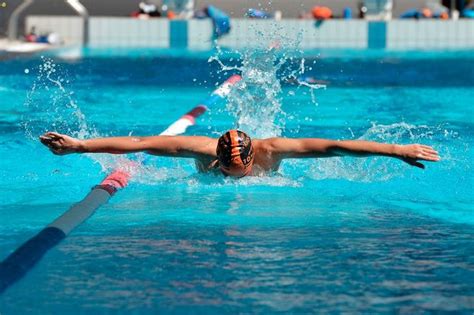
(331, 235)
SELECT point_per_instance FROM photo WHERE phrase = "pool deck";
(9, 48)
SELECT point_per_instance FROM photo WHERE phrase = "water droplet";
(27, 71)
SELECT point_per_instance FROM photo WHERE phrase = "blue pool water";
(333, 235)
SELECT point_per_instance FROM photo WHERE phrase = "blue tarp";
(468, 13)
(258, 14)
(220, 19)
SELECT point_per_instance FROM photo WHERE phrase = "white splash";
(256, 101)
(374, 169)
(51, 107)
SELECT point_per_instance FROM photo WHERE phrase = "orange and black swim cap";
(235, 153)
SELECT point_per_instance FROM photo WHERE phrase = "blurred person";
(182, 9)
(146, 10)
(321, 13)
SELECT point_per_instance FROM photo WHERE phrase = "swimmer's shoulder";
(277, 148)
(201, 145)
(268, 145)
(266, 153)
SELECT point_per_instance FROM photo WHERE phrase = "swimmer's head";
(235, 153)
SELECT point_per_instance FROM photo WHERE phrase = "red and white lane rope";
(17, 264)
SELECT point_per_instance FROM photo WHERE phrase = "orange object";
(235, 153)
(171, 15)
(426, 13)
(444, 16)
(321, 13)
(118, 179)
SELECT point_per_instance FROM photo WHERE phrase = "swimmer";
(235, 154)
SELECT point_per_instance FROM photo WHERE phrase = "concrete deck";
(19, 47)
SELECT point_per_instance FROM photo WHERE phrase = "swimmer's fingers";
(50, 137)
(418, 151)
(60, 144)
(45, 140)
(55, 146)
(416, 163)
(50, 143)
(429, 157)
(52, 146)
(64, 140)
(427, 147)
(428, 154)
(54, 135)
(428, 150)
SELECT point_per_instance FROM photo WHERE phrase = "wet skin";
(268, 152)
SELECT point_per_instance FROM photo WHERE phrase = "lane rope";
(25, 257)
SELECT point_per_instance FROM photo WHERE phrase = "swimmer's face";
(235, 153)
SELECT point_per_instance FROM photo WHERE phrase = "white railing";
(82, 11)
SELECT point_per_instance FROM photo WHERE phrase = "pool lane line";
(25, 257)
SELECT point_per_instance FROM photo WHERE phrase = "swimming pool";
(331, 235)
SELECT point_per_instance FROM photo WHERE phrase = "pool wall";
(198, 34)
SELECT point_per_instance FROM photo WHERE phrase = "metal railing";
(13, 21)
(82, 11)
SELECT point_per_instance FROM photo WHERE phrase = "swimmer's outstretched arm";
(312, 147)
(177, 146)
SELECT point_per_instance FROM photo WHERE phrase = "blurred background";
(195, 24)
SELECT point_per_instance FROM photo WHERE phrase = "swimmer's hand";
(60, 144)
(412, 153)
